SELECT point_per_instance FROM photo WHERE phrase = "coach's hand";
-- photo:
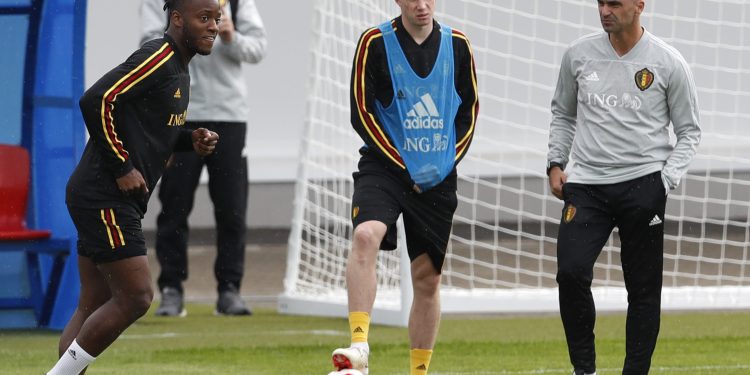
(204, 141)
(557, 178)
(132, 183)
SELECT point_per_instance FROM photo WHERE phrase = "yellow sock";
(359, 326)
(419, 360)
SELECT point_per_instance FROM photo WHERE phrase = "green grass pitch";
(269, 343)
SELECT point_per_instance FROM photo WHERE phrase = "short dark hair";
(173, 4)
(170, 5)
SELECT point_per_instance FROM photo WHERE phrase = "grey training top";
(218, 91)
(615, 112)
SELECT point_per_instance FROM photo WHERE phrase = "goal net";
(501, 256)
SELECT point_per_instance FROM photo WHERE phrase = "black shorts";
(428, 217)
(108, 234)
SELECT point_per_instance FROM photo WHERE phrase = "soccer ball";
(348, 371)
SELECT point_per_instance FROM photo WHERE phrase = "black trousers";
(591, 212)
(228, 188)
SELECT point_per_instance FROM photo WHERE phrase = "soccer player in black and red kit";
(135, 115)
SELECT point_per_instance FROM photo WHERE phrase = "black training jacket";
(135, 116)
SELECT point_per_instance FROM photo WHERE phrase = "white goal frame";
(501, 256)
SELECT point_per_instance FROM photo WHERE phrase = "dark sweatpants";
(591, 212)
(228, 188)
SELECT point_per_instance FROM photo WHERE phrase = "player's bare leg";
(94, 293)
(361, 280)
(97, 324)
(129, 281)
(424, 318)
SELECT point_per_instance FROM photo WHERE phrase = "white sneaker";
(346, 372)
(353, 358)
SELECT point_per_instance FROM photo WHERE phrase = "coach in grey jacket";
(616, 95)
(218, 102)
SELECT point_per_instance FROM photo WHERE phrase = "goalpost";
(501, 257)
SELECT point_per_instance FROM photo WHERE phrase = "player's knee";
(139, 302)
(142, 303)
(426, 284)
(425, 280)
(365, 237)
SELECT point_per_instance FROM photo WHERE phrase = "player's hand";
(226, 27)
(557, 179)
(132, 183)
(425, 177)
(204, 141)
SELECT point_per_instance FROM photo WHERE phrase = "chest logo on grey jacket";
(644, 78)
(609, 101)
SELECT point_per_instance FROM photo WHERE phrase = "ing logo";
(177, 119)
(604, 100)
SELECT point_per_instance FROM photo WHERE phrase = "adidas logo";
(424, 115)
(177, 94)
(359, 330)
(591, 77)
(400, 95)
(422, 367)
(72, 354)
(655, 221)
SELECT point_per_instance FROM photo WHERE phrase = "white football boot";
(350, 358)
(346, 372)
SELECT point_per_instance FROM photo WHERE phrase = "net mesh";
(504, 234)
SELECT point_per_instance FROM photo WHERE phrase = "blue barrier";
(51, 129)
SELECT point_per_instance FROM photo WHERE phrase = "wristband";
(552, 164)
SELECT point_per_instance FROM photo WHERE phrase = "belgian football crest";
(644, 78)
(570, 213)
(355, 211)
